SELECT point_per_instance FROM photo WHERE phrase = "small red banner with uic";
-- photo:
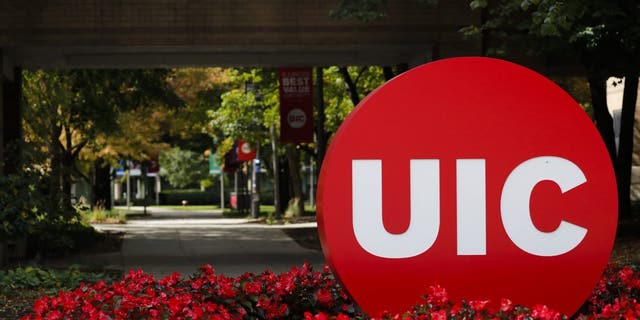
(296, 105)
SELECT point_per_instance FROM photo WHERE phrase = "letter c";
(514, 205)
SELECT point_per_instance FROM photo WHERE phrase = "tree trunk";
(284, 182)
(66, 187)
(321, 141)
(101, 188)
(351, 86)
(276, 172)
(625, 149)
(388, 73)
(55, 197)
(296, 204)
(604, 121)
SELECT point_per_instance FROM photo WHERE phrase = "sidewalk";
(171, 241)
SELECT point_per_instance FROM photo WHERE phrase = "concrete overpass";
(63, 34)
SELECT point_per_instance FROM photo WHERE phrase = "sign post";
(472, 173)
(214, 168)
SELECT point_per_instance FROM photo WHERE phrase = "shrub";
(300, 293)
(193, 196)
(101, 215)
(58, 237)
(54, 280)
(20, 204)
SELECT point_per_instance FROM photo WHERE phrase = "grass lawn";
(266, 211)
(104, 216)
(188, 207)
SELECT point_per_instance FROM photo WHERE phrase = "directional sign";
(472, 173)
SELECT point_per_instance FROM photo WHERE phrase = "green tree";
(201, 90)
(81, 105)
(183, 167)
(365, 10)
(249, 111)
(603, 36)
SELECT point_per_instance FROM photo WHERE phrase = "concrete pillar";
(3, 71)
(12, 121)
(117, 190)
(1, 120)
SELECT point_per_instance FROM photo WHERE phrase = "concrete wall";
(1, 119)
(72, 33)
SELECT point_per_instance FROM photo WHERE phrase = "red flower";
(478, 306)
(437, 296)
(543, 312)
(506, 305)
(207, 269)
(324, 297)
(269, 296)
(439, 315)
(253, 287)
(342, 316)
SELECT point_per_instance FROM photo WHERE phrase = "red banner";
(296, 105)
(244, 151)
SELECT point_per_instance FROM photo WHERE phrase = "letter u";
(368, 225)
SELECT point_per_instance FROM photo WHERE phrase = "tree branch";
(78, 147)
(67, 132)
(353, 91)
(360, 73)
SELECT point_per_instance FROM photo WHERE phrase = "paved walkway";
(182, 241)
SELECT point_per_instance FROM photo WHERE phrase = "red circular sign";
(472, 173)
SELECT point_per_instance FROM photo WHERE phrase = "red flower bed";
(300, 293)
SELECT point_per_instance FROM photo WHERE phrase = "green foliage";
(81, 106)
(578, 88)
(337, 102)
(201, 90)
(366, 10)
(54, 280)
(100, 215)
(362, 10)
(21, 204)
(60, 237)
(248, 108)
(603, 34)
(183, 167)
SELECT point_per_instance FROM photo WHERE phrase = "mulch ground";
(19, 304)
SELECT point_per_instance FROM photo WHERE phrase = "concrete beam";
(2, 156)
(224, 56)
(6, 67)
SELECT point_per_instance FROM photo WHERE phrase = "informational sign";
(476, 174)
(296, 105)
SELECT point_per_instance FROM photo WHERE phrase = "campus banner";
(214, 164)
(296, 105)
(244, 151)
